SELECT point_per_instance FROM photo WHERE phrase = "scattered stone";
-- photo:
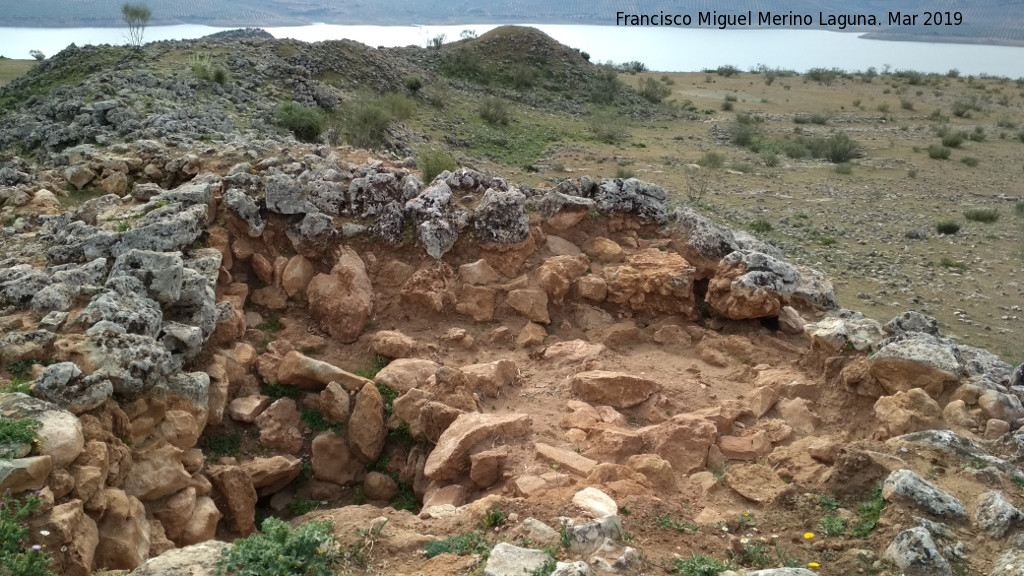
(596, 502)
(908, 485)
(996, 515)
(613, 388)
(914, 551)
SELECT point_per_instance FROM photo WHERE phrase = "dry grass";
(11, 69)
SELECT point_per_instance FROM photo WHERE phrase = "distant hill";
(987, 21)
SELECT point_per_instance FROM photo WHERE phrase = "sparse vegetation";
(495, 111)
(17, 557)
(986, 215)
(699, 565)
(947, 227)
(947, 262)
(461, 544)
(665, 521)
(305, 123)
(936, 152)
(760, 226)
(18, 431)
(432, 161)
(868, 512)
(652, 90)
(280, 550)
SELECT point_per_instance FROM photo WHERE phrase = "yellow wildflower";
(808, 535)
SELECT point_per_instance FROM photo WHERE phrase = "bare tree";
(136, 16)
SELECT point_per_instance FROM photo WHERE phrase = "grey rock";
(194, 386)
(996, 514)
(508, 560)
(199, 191)
(17, 346)
(245, 208)
(985, 366)
(314, 233)
(390, 225)
(845, 329)
(923, 349)
(1011, 563)
(159, 272)
(1017, 378)
(578, 568)
(285, 196)
(124, 303)
(644, 200)
(749, 242)
(64, 385)
(463, 180)
(329, 197)
(165, 229)
(134, 364)
(815, 290)
(765, 272)
(912, 321)
(628, 562)
(146, 191)
(350, 230)
(595, 536)
(23, 474)
(195, 560)
(368, 195)
(437, 236)
(59, 434)
(182, 339)
(540, 532)
(914, 551)
(959, 446)
(20, 284)
(501, 217)
(551, 203)
(908, 485)
(701, 241)
(53, 320)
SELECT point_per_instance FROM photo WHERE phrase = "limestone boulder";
(652, 282)
(450, 458)
(489, 378)
(202, 525)
(342, 301)
(279, 426)
(392, 344)
(908, 411)
(907, 487)
(557, 274)
(333, 461)
(60, 432)
(405, 374)
(71, 539)
(615, 389)
(313, 375)
(477, 302)
(21, 474)
(751, 285)
(156, 472)
(366, 430)
(271, 474)
(195, 560)
(756, 483)
(531, 303)
(297, 275)
(916, 360)
(247, 408)
(682, 440)
(124, 532)
(335, 404)
(235, 495)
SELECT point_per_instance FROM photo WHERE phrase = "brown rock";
(450, 495)
(579, 415)
(790, 321)
(657, 470)
(392, 344)
(747, 447)
(477, 302)
(72, 538)
(900, 375)
(608, 444)
(202, 525)
(592, 287)
(478, 273)
(311, 374)
(653, 282)
(279, 426)
(124, 536)
(176, 512)
(296, 275)
(268, 475)
(432, 287)
(263, 268)
(565, 459)
(156, 472)
(760, 400)
(604, 250)
(21, 474)
(615, 389)
(798, 414)
(995, 428)
(489, 378)
(116, 183)
(560, 246)
(450, 458)
(235, 496)
(378, 486)
(557, 274)
(342, 301)
(485, 467)
(908, 411)
(673, 336)
(394, 274)
(270, 297)
(332, 460)
(405, 374)
(247, 408)
(531, 335)
(682, 440)
(573, 353)
(366, 431)
(756, 483)
(79, 175)
(533, 304)
(335, 404)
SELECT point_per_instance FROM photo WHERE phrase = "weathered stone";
(682, 440)
(905, 484)
(124, 532)
(71, 538)
(311, 374)
(332, 460)
(450, 458)
(21, 474)
(366, 430)
(335, 403)
(532, 304)
(615, 389)
(156, 472)
(478, 273)
(271, 474)
(914, 551)
(566, 459)
(489, 378)
(653, 282)
(745, 447)
(996, 515)
(279, 426)
(392, 344)
(235, 496)
(756, 483)
(508, 560)
(405, 374)
(532, 334)
(247, 408)
(297, 275)
(596, 502)
(379, 486)
(477, 302)
(908, 411)
(342, 301)
(195, 560)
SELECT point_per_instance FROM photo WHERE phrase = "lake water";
(662, 49)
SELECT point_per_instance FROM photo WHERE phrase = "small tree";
(136, 16)
(37, 55)
(437, 41)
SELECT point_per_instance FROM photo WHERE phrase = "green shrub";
(315, 420)
(954, 139)
(978, 135)
(605, 86)
(276, 390)
(22, 431)
(937, 152)
(828, 503)
(832, 525)
(699, 565)
(727, 105)
(727, 71)
(683, 527)
(845, 169)
(820, 119)
(743, 134)
(495, 111)
(607, 127)
(413, 84)
(653, 91)
(367, 123)
(987, 215)
(400, 107)
(712, 160)
(770, 158)
(406, 499)
(624, 172)
(906, 104)
(947, 262)
(461, 544)
(305, 123)
(492, 519)
(432, 161)
(200, 65)
(947, 227)
(17, 558)
(218, 444)
(376, 365)
(760, 226)
(280, 550)
(523, 76)
(970, 161)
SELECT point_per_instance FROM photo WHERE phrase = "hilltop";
(522, 327)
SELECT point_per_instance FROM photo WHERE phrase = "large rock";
(533, 304)
(313, 375)
(271, 474)
(557, 274)
(641, 199)
(195, 560)
(845, 330)
(616, 389)
(64, 385)
(60, 432)
(652, 282)
(489, 378)
(296, 275)
(907, 485)
(332, 461)
(71, 538)
(908, 411)
(342, 301)
(284, 195)
(279, 426)
(156, 472)
(366, 430)
(751, 285)
(501, 217)
(450, 458)
(916, 360)
(914, 551)
(236, 496)
(683, 441)
(996, 515)
(700, 241)
(756, 483)
(508, 560)
(124, 532)
(21, 474)
(392, 344)
(405, 374)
